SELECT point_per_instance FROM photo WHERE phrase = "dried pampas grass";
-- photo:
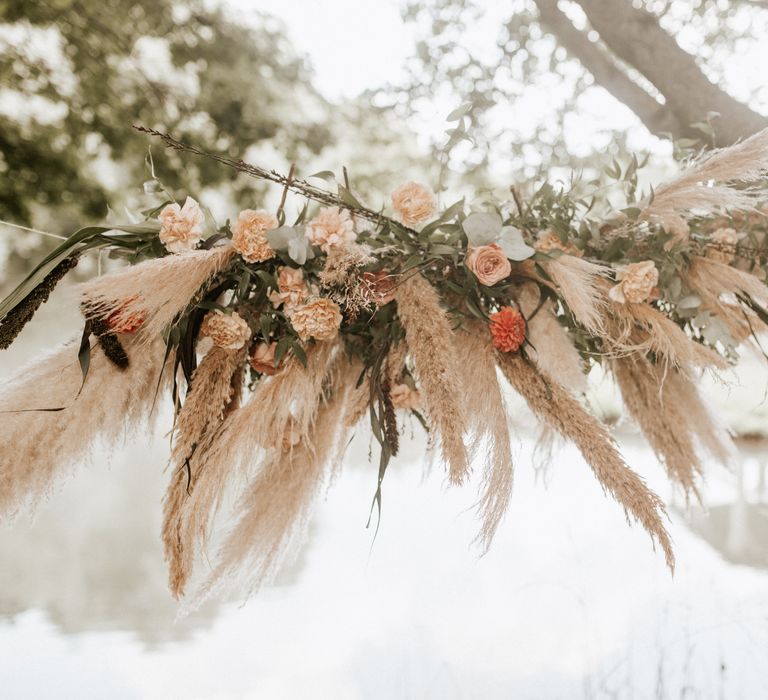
(282, 408)
(693, 190)
(275, 510)
(670, 412)
(44, 445)
(488, 426)
(203, 411)
(556, 407)
(580, 283)
(552, 349)
(430, 347)
(638, 329)
(155, 290)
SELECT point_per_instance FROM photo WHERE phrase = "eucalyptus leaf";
(482, 228)
(512, 243)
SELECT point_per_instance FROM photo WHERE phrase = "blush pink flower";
(181, 227)
(635, 282)
(249, 234)
(229, 332)
(414, 203)
(404, 397)
(292, 289)
(319, 319)
(488, 263)
(332, 227)
(262, 358)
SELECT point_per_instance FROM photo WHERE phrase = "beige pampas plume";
(717, 283)
(275, 510)
(488, 426)
(580, 283)
(282, 407)
(555, 406)
(430, 347)
(45, 445)
(639, 329)
(702, 187)
(667, 407)
(201, 414)
(552, 349)
(155, 290)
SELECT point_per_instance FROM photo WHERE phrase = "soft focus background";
(570, 602)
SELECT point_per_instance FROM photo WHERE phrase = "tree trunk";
(635, 37)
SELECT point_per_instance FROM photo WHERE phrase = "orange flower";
(508, 329)
(123, 320)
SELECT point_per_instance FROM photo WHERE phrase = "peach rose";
(728, 239)
(249, 235)
(262, 358)
(636, 282)
(181, 227)
(332, 227)
(404, 397)
(414, 203)
(292, 290)
(229, 332)
(488, 263)
(319, 319)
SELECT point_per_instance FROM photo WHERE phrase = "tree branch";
(635, 36)
(606, 72)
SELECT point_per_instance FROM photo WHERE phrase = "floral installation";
(275, 339)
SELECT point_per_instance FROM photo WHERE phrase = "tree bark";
(636, 38)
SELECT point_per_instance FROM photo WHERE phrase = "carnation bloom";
(249, 234)
(319, 319)
(548, 240)
(262, 358)
(414, 203)
(229, 332)
(181, 227)
(488, 263)
(332, 227)
(635, 282)
(508, 329)
(123, 320)
(404, 397)
(727, 238)
(292, 290)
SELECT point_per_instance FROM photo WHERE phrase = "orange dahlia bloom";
(508, 329)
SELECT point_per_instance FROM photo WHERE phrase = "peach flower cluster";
(249, 235)
(331, 228)
(181, 227)
(414, 203)
(488, 263)
(319, 319)
(507, 329)
(292, 290)
(229, 332)
(403, 396)
(636, 283)
(728, 239)
(262, 358)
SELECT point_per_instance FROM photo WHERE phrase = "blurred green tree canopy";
(81, 72)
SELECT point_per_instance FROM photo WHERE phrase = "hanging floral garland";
(275, 339)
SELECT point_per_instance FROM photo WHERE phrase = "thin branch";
(298, 186)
